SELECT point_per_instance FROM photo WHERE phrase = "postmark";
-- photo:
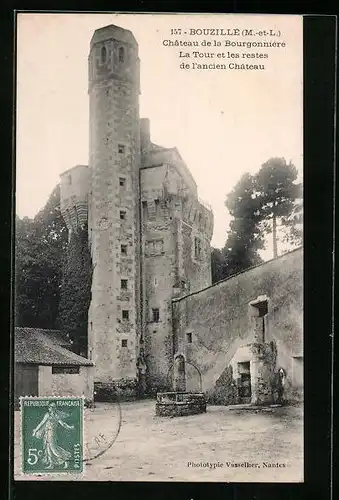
(52, 435)
(100, 438)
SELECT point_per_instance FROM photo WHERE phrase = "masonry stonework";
(217, 330)
(113, 204)
(149, 234)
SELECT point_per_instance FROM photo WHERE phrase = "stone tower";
(176, 233)
(113, 209)
(148, 232)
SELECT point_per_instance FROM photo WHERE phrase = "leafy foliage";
(52, 276)
(277, 194)
(244, 238)
(267, 202)
(218, 264)
(39, 245)
(76, 290)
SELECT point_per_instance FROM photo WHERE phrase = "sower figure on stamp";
(52, 453)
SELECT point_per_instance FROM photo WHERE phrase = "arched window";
(121, 54)
(103, 54)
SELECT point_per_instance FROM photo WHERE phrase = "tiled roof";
(44, 347)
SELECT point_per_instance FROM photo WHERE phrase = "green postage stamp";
(52, 434)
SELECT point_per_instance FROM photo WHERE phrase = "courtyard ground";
(150, 448)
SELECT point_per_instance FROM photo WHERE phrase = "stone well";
(179, 404)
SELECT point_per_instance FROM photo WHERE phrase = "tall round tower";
(113, 211)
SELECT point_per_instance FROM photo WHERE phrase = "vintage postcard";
(159, 248)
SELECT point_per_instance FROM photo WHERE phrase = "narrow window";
(123, 249)
(125, 314)
(158, 246)
(124, 284)
(121, 54)
(189, 337)
(103, 54)
(155, 315)
(157, 208)
(122, 214)
(57, 370)
(197, 248)
(69, 179)
(124, 343)
(122, 181)
(121, 148)
(144, 210)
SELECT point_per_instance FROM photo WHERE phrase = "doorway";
(26, 381)
(244, 382)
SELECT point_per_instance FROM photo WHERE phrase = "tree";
(218, 265)
(276, 192)
(244, 239)
(267, 202)
(76, 290)
(39, 245)
(26, 273)
(292, 225)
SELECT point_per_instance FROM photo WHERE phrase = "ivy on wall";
(75, 294)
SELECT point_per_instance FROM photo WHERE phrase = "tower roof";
(112, 31)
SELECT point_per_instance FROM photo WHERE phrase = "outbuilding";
(46, 366)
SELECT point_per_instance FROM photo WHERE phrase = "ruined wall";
(173, 220)
(218, 322)
(196, 230)
(74, 189)
(159, 276)
(114, 314)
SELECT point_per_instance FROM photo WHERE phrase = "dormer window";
(121, 54)
(103, 55)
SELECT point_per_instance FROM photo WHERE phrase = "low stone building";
(45, 366)
(242, 338)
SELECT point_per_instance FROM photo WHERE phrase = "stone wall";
(218, 322)
(172, 220)
(66, 384)
(159, 277)
(74, 189)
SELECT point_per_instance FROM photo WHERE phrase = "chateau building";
(149, 234)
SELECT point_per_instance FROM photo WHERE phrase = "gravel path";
(223, 445)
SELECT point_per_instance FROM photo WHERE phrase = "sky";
(223, 122)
